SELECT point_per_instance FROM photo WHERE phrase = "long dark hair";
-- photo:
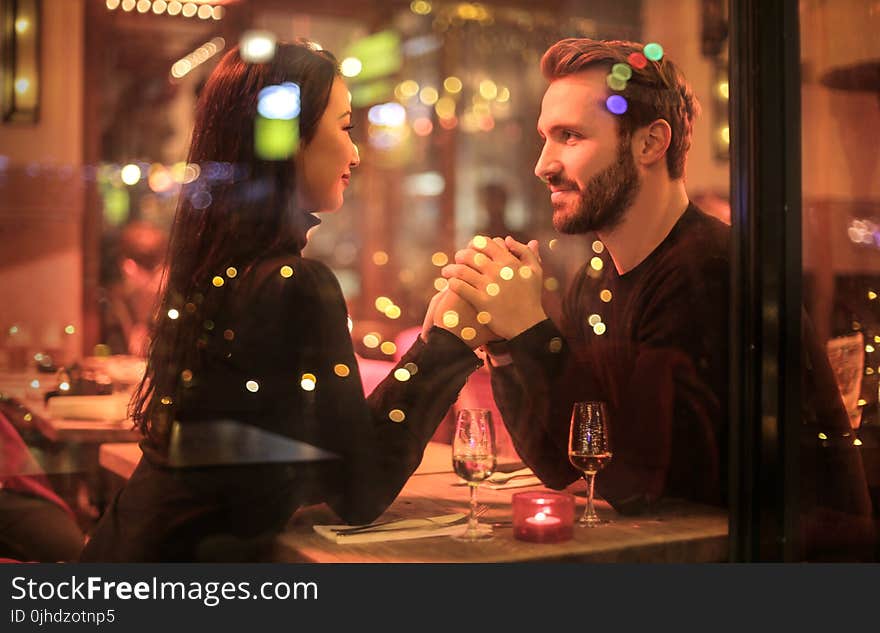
(238, 208)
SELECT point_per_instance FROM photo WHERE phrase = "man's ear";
(651, 142)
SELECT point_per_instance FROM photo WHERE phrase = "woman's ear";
(652, 141)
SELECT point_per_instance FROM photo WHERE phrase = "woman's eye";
(349, 128)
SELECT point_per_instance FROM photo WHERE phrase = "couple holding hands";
(260, 333)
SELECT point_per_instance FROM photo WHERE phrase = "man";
(645, 321)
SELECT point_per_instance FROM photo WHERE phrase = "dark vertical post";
(766, 302)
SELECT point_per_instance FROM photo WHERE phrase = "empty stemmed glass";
(473, 459)
(589, 449)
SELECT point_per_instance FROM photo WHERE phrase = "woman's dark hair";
(238, 208)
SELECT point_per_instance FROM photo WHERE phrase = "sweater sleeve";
(663, 405)
(381, 440)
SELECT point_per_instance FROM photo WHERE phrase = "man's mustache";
(559, 181)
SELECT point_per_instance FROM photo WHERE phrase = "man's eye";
(567, 135)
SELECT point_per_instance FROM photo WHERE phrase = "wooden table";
(63, 430)
(119, 458)
(680, 532)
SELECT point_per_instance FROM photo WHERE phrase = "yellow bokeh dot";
(412, 368)
(166, 400)
(862, 402)
(440, 284)
(506, 273)
(341, 370)
(231, 272)
(186, 375)
(493, 289)
(450, 318)
(452, 84)
(525, 272)
(172, 314)
(218, 281)
(599, 329)
(822, 436)
(28, 417)
(69, 329)
(286, 272)
(396, 415)
(421, 7)
(598, 246)
(551, 284)
(596, 263)
(371, 340)
(402, 374)
(383, 303)
(869, 348)
(468, 333)
(439, 259)
(553, 244)
(392, 312)
(605, 295)
(388, 348)
(869, 371)
(252, 386)
(484, 317)
(857, 442)
(480, 241)
(555, 344)
(380, 258)
(594, 319)
(872, 295)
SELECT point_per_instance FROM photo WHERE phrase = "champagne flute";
(589, 449)
(473, 459)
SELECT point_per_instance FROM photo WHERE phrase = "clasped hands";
(494, 291)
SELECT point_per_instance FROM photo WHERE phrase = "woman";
(253, 338)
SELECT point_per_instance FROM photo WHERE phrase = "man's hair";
(657, 91)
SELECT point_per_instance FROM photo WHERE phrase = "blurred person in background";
(131, 287)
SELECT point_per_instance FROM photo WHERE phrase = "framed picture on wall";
(20, 60)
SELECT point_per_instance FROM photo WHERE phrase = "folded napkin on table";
(108, 408)
(395, 531)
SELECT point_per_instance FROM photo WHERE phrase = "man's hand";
(502, 280)
(450, 312)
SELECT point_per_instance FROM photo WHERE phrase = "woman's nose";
(355, 157)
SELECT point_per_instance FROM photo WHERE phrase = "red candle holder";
(543, 517)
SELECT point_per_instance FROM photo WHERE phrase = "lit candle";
(542, 517)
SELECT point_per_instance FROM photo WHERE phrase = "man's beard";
(607, 197)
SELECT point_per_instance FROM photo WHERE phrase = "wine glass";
(589, 449)
(473, 459)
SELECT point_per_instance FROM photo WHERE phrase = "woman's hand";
(502, 280)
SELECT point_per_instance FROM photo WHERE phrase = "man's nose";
(547, 164)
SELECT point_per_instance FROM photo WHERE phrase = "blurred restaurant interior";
(98, 101)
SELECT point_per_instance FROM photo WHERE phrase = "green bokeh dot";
(654, 51)
(623, 71)
(615, 83)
